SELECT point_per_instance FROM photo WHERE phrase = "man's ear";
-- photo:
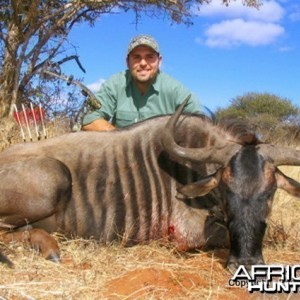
(160, 61)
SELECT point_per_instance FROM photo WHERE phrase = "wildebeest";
(178, 178)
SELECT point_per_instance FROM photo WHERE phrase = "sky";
(227, 52)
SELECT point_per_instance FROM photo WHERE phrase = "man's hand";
(98, 125)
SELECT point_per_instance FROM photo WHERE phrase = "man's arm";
(98, 125)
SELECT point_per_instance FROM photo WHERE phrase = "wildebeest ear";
(288, 184)
(201, 187)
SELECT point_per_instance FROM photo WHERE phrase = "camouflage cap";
(145, 40)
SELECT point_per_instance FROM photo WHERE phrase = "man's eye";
(151, 58)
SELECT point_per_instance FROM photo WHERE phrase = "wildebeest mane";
(199, 115)
(241, 131)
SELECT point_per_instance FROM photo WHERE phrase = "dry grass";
(10, 132)
(91, 271)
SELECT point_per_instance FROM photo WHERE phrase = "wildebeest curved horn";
(214, 154)
(280, 156)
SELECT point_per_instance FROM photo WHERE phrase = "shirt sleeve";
(107, 98)
(193, 105)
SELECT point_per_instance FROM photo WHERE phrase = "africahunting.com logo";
(269, 279)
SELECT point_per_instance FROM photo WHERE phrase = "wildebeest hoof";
(6, 261)
(54, 258)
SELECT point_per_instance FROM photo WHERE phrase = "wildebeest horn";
(280, 156)
(221, 154)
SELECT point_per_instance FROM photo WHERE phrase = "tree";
(32, 33)
(266, 112)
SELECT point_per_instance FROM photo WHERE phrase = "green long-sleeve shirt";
(123, 103)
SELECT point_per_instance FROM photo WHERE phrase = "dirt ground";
(183, 284)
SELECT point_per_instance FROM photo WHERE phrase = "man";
(140, 92)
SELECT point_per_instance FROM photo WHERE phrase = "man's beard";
(147, 81)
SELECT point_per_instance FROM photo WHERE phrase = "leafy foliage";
(256, 104)
(269, 113)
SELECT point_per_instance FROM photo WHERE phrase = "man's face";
(143, 63)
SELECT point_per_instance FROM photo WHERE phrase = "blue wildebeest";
(176, 178)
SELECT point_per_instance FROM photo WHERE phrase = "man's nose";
(143, 61)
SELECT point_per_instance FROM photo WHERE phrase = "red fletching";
(36, 113)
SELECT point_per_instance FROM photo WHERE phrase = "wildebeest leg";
(38, 239)
(32, 190)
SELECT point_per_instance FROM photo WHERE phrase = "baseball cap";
(145, 40)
